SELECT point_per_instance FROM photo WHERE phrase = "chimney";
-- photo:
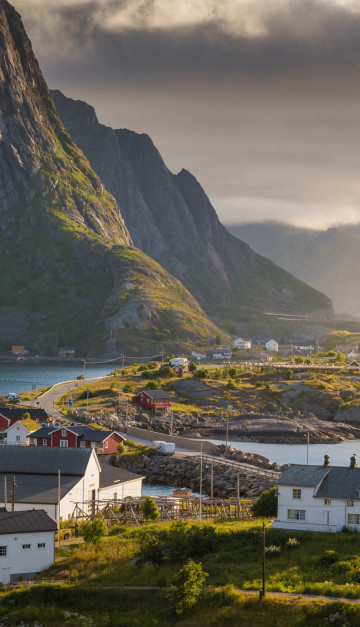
(326, 460)
(353, 461)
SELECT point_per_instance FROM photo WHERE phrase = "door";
(5, 577)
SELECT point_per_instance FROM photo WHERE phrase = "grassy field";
(230, 552)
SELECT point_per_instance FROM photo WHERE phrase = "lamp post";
(262, 592)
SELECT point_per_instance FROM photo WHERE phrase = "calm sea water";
(21, 376)
(296, 453)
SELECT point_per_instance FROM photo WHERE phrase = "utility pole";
(227, 435)
(84, 369)
(123, 360)
(13, 494)
(58, 509)
(162, 356)
(5, 493)
(87, 399)
(238, 487)
(126, 418)
(212, 481)
(201, 467)
(307, 448)
(119, 394)
(171, 421)
(262, 592)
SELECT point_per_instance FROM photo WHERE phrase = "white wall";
(316, 512)
(17, 430)
(123, 489)
(19, 561)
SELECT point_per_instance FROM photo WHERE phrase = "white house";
(83, 480)
(319, 498)
(271, 345)
(27, 544)
(17, 434)
(242, 342)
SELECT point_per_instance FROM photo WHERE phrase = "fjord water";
(21, 376)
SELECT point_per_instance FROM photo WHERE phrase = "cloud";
(258, 99)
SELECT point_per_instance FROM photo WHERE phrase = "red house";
(355, 365)
(105, 442)
(152, 399)
(179, 371)
(9, 415)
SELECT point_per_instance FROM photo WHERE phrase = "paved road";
(47, 400)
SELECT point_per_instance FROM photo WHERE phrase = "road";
(48, 399)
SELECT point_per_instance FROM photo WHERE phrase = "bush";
(151, 550)
(230, 385)
(232, 372)
(201, 373)
(94, 531)
(150, 509)
(330, 557)
(192, 367)
(128, 387)
(288, 375)
(121, 448)
(266, 506)
(187, 587)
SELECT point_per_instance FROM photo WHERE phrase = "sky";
(259, 99)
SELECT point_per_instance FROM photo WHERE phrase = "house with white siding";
(17, 434)
(272, 345)
(37, 471)
(242, 342)
(27, 544)
(319, 498)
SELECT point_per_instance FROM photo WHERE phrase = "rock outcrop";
(70, 274)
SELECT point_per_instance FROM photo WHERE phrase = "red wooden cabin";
(152, 399)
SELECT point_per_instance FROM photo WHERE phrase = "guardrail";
(222, 461)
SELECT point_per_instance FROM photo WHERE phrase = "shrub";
(231, 385)
(330, 557)
(288, 375)
(266, 506)
(292, 542)
(232, 372)
(94, 531)
(201, 373)
(150, 509)
(151, 550)
(121, 448)
(187, 587)
(128, 387)
(272, 550)
(192, 367)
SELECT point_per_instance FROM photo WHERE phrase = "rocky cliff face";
(172, 220)
(70, 273)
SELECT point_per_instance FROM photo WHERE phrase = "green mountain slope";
(69, 272)
(171, 219)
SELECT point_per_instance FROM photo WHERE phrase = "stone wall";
(182, 473)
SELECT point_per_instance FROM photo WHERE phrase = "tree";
(121, 448)
(266, 506)
(187, 587)
(94, 531)
(150, 509)
(192, 367)
(25, 416)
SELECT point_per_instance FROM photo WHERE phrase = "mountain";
(171, 219)
(327, 260)
(69, 271)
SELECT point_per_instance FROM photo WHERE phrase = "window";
(45, 442)
(327, 501)
(41, 545)
(17, 428)
(26, 546)
(93, 444)
(106, 444)
(353, 519)
(3, 551)
(82, 444)
(18, 438)
(296, 493)
(63, 443)
(63, 432)
(350, 503)
(296, 514)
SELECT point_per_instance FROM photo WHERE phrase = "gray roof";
(111, 474)
(156, 394)
(36, 489)
(341, 483)
(29, 521)
(43, 460)
(303, 476)
(84, 432)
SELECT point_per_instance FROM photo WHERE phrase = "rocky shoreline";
(183, 472)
